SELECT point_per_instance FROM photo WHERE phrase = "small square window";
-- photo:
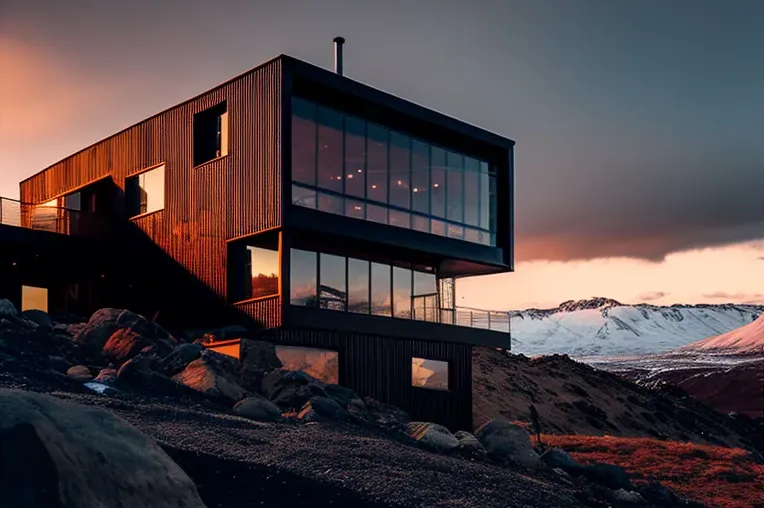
(432, 374)
(34, 298)
(210, 134)
(144, 192)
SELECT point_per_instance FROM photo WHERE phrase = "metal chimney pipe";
(338, 42)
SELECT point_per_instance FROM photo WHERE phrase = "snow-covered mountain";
(605, 327)
(748, 339)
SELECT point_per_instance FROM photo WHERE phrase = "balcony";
(52, 219)
(497, 321)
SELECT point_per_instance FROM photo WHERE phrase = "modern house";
(335, 215)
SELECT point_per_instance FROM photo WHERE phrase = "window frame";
(137, 175)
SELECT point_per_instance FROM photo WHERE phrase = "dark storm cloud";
(627, 145)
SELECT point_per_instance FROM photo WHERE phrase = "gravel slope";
(239, 463)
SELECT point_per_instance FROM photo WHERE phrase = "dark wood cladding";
(380, 367)
(266, 310)
(229, 197)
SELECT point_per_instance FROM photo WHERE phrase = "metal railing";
(49, 218)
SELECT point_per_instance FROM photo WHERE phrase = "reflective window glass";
(432, 374)
(400, 219)
(355, 157)
(438, 182)
(400, 162)
(321, 364)
(358, 286)
(330, 203)
(420, 223)
(376, 164)
(438, 227)
(303, 197)
(355, 209)
(303, 278)
(332, 283)
(303, 142)
(401, 292)
(420, 177)
(471, 192)
(330, 150)
(376, 213)
(145, 191)
(263, 272)
(455, 187)
(381, 287)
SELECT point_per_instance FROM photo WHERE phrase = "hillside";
(574, 398)
(605, 327)
(748, 339)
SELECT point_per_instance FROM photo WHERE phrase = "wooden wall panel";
(380, 367)
(233, 196)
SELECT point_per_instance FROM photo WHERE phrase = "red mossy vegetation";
(714, 475)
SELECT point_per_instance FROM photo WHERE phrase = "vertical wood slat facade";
(380, 367)
(232, 196)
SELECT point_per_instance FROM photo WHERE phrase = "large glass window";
(431, 374)
(400, 162)
(145, 191)
(358, 286)
(366, 171)
(376, 178)
(438, 182)
(322, 364)
(381, 286)
(263, 272)
(34, 298)
(330, 150)
(303, 142)
(401, 292)
(355, 157)
(455, 187)
(425, 296)
(332, 283)
(303, 278)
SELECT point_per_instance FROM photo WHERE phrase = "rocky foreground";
(85, 404)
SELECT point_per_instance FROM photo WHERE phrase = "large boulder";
(59, 454)
(559, 458)
(433, 436)
(386, 416)
(215, 375)
(505, 442)
(124, 344)
(257, 359)
(469, 446)
(80, 373)
(142, 374)
(180, 357)
(608, 475)
(7, 309)
(105, 322)
(290, 389)
(256, 407)
(322, 408)
(38, 317)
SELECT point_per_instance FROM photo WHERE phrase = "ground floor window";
(262, 272)
(34, 298)
(322, 364)
(427, 373)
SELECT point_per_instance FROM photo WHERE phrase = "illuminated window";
(144, 192)
(263, 272)
(427, 373)
(34, 298)
(322, 364)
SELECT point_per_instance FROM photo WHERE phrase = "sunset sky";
(639, 125)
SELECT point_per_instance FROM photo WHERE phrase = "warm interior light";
(357, 207)
(350, 175)
(360, 170)
(416, 190)
(435, 185)
(373, 186)
(400, 182)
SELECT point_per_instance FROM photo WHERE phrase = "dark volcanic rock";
(291, 389)
(80, 373)
(506, 442)
(124, 344)
(105, 322)
(215, 375)
(469, 446)
(433, 436)
(57, 454)
(257, 407)
(180, 357)
(559, 458)
(58, 364)
(257, 359)
(607, 475)
(7, 309)
(386, 416)
(321, 408)
(38, 317)
(107, 377)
